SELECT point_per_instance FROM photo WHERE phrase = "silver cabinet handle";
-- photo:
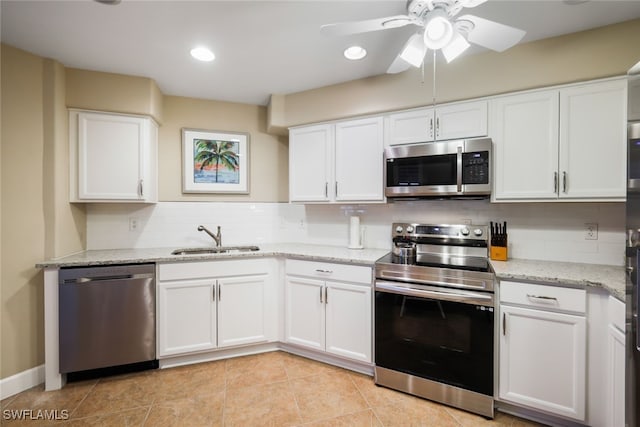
(324, 271)
(504, 324)
(564, 182)
(336, 189)
(431, 127)
(141, 188)
(321, 295)
(555, 182)
(543, 298)
(437, 126)
(219, 292)
(326, 190)
(214, 291)
(326, 295)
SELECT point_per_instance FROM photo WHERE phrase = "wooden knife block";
(498, 253)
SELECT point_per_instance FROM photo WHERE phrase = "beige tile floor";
(271, 389)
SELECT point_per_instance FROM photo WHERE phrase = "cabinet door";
(466, 120)
(348, 312)
(310, 163)
(411, 126)
(593, 141)
(111, 156)
(359, 163)
(524, 130)
(186, 317)
(543, 360)
(241, 310)
(616, 377)
(304, 312)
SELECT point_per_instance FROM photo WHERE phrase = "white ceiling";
(261, 47)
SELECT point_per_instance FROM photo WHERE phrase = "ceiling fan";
(438, 29)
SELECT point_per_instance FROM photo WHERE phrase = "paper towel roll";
(355, 241)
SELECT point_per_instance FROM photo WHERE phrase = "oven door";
(441, 334)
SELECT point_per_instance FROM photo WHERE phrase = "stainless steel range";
(434, 315)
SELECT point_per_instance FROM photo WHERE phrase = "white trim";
(21, 381)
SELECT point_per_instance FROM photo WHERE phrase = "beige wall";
(22, 211)
(36, 221)
(119, 93)
(602, 52)
(268, 153)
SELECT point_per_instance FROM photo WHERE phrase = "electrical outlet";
(133, 223)
(591, 231)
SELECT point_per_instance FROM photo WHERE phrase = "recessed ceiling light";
(202, 54)
(355, 52)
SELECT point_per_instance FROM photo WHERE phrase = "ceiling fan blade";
(471, 3)
(355, 27)
(492, 35)
(412, 54)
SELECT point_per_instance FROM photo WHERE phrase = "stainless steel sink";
(217, 250)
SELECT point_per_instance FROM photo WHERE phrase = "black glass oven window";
(443, 341)
(422, 171)
(634, 159)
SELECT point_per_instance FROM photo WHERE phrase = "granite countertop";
(609, 277)
(292, 250)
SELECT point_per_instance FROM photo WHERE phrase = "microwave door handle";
(459, 169)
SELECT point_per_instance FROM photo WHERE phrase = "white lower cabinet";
(215, 304)
(328, 308)
(616, 364)
(543, 348)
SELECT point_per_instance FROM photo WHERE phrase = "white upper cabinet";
(339, 162)
(593, 141)
(359, 166)
(525, 138)
(113, 158)
(561, 144)
(461, 120)
(310, 163)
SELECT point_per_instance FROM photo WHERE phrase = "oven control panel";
(443, 231)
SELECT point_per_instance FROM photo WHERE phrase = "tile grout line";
(83, 399)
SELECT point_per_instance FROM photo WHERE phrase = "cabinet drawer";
(204, 269)
(329, 271)
(543, 296)
(617, 313)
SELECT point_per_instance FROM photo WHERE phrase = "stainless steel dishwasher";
(107, 316)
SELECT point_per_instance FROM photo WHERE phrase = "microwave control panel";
(475, 167)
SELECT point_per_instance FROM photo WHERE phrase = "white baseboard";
(21, 381)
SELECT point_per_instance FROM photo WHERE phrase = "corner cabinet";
(543, 348)
(337, 162)
(564, 144)
(328, 308)
(113, 157)
(215, 304)
(460, 120)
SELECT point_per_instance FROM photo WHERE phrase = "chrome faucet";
(217, 237)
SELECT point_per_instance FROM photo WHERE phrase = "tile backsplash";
(545, 231)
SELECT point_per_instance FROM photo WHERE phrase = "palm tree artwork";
(216, 161)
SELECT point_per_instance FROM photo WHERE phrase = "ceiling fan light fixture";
(355, 52)
(438, 29)
(414, 51)
(454, 49)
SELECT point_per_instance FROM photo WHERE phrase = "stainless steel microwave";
(460, 168)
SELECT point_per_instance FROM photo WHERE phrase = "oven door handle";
(464, 297)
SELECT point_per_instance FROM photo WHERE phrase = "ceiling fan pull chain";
(434, 80)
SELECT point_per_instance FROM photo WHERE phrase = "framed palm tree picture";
(215, 162)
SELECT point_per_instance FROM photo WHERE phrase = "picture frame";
(215, 161)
